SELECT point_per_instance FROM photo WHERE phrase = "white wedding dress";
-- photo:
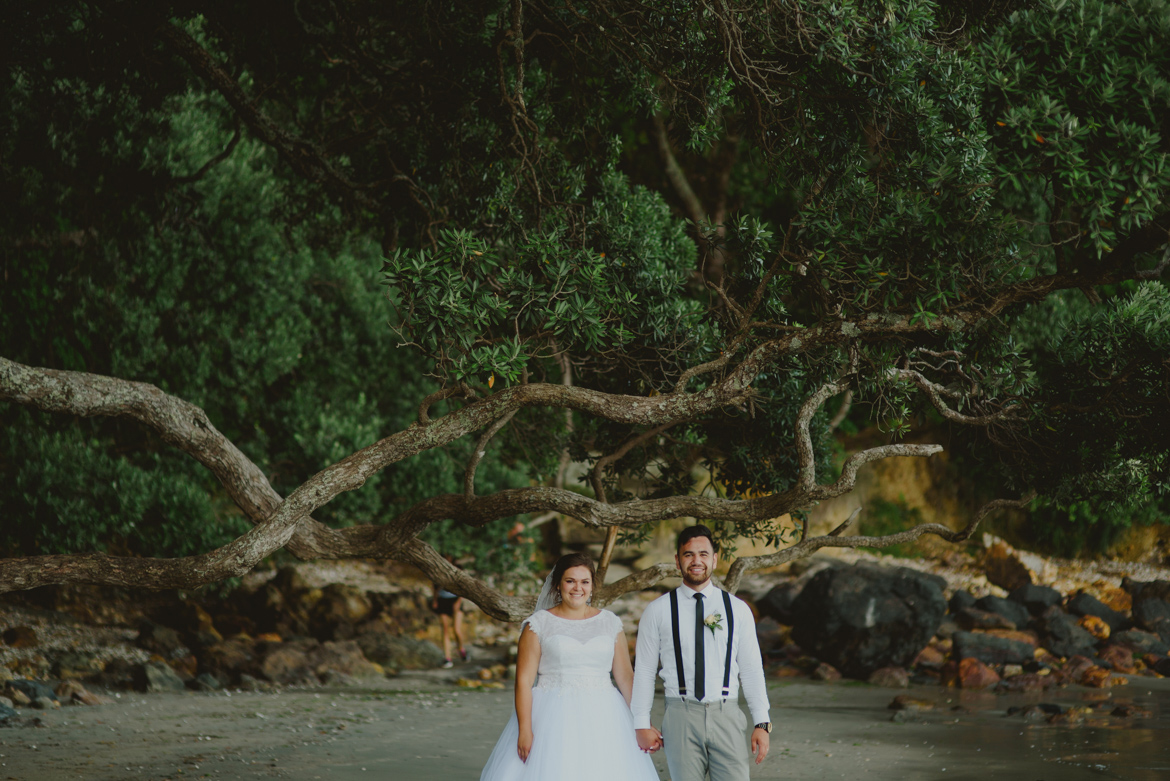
(581, 726)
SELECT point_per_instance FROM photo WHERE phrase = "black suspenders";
(678, 660)
(678, 663)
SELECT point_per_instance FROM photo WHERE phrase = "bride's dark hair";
(567, 562)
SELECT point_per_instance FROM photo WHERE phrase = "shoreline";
(422, 728)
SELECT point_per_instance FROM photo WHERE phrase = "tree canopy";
(386, 270)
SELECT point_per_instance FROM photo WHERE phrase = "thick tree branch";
(935, 393)
(480, 451)
(806, 457)
(806, 547)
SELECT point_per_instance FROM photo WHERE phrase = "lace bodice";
(575, 654)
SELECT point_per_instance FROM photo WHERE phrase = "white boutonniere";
(713, 622)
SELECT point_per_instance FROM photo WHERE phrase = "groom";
(706, 641)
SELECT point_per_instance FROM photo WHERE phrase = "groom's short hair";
(691, 532)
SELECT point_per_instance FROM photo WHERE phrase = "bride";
(573, 724)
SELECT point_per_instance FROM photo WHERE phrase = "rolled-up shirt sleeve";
(646, 667)
(751, 665)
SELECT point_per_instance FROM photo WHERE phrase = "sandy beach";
(422, 728)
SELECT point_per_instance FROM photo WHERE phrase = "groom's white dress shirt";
(656, 641)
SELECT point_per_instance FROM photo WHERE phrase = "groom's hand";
(649, 740)
(760, 743)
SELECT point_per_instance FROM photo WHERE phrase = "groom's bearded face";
(696, 559)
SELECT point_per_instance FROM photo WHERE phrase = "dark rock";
(862, 618)
(959, 600)
(72, 691)
(777, 603)
(251, 684)
(20, 637)
(344, 657)
(1141, 642)
(33, 690)
(1129, 711)
(1085, 604)
(1039, 712)
(44, 703)
(8, 716)
(1118, 658)
(770, 634)
(229, 659)
(946, 629)
(1150, 589)
(337, 610)
(118, 674)
(1162, 666)
(1150, 612)
(970, 618)
(990, 649)
(827, 673)
(157, 677)
(287, 664)
(1009, 609)
(1035, 598)
(206, 682)
(400, 653)
(161, 640)
(890, 677)
(1063, 636)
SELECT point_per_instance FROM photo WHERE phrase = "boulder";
(862, 618)
(890, 677)
(1150, 589)
(970, 618)
(344, 658)
(229, 659)
(777, 603)
(1141, 642)
(974, 674)
(400, 652)
(1062, 635)
(826, 672)
(1085, 604)
(1150, 612)
(157, 677)
(72, 691)
(31, 690)
(1004, 568)
(990, 649)
(205, 682)
(959, 600)
(930, 658)
(20, 637)
(1009, 609)
(8, 716)
(161, 640)
(1035, 598)
(1118, 657)
(1095, 626)
(337, 610)
(287, 664)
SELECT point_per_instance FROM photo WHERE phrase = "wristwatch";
(766, 726)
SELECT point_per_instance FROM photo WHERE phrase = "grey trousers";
(705, 737)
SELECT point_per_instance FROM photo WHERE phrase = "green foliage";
(1087, 527)
(881, 517)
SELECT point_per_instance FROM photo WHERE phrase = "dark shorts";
(445, 606)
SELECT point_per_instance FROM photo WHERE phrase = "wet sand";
(419, 727)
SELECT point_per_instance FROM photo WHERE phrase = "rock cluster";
(870, 623)
(284, 631)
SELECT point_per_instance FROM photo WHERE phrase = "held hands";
(649, 740)
(524, 744)
(761, 740)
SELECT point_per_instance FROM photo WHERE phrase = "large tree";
(656, 238)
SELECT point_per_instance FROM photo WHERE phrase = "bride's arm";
(623, 671)
(526, 664)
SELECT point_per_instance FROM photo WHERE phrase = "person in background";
(446, 606)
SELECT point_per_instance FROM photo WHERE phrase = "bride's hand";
(524, 744)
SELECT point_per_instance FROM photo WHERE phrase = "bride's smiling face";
(576, 587)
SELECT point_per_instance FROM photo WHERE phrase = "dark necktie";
(700, 667)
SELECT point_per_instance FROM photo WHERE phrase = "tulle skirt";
(578, 735)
